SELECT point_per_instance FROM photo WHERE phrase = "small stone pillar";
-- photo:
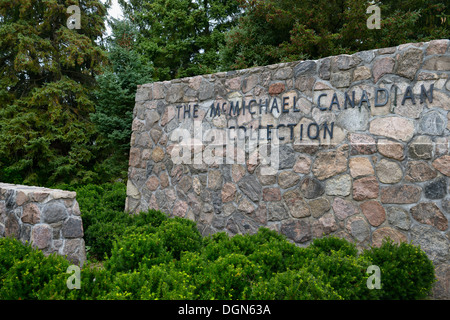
(49, 219)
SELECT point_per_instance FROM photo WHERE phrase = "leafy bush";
(11, 251)
(94, 281)
(293, 285)
(329, 245)
(150, 217)
(179, 235)
(228, 277)
(345, 273)
(157, 257)
(102, 211)
(27, 276)
(134, 249)
(100, 237)
(163, 282)
(406, 271)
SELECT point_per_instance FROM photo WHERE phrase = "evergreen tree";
(115, 97)
(272, 31)
(181, 37)
(47, 73)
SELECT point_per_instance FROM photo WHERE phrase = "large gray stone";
(324, 69)
(250, 186)
(75, 251)
(276, 211)
(446, 205)
(311, 188)
(421, 148)
(286, 156)
(388, 171)
(245, 224)
(72, 228)
(433, 123)
(339, 185)
(354, 119)
(441, 289)
(297, 230)
(324, 225)
(436, 189)
(346, 62)
(12, 226)
(398, 217)
(358, 228)
(429, 213)
(409, 62)
(435, 245)
(206, 91)
(304, 68)
(54, 212)
(341, 79)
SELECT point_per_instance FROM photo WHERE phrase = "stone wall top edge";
(25, 188)
(240, 72)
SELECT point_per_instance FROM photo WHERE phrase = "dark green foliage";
(153, 256)
(406, 271)
(115, 98)
(179, 235)
(103, 216)
(162, 282)
(47, 73)
(228, 277)
(293, 285)
(134, 249)
(273, 31)
(346, 274)
(11, 251)
(181, 37)
(94, 282)
(27, 276)
(329, 245)
(141, 267)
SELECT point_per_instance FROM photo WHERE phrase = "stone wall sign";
(355, 146)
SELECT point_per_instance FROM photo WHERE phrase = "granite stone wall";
(360, 147)
(49, 219)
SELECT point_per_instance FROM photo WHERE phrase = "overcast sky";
(114, 12)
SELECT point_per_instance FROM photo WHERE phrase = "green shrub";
(292, 285)
(406, 271)
(221, 244)
(180, 235)
(163, 282)
(11, 251)
(345, 273)
(106, 229)
(228, 277)
(152, 256)
(100, 237)
(95, 282)
(329, 245)
(134, 249)
(102, 211)
(217, 245)
(27, 276)
(168, 284)
(125, 286)
(150, 217)
(278, 256)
